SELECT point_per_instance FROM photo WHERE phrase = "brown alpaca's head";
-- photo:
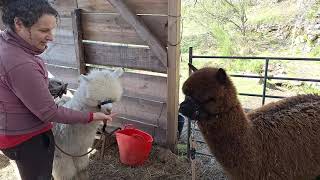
(209, 91)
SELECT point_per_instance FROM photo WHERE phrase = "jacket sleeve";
(29, 84)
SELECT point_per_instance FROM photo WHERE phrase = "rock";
(307, 49)
(296, 83)
(299, 40)
(312, 37)
(317, 26)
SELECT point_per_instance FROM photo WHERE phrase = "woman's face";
(40, 33)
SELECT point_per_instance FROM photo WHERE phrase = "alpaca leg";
(82, 167)
(82, 175)
(63, 167)
(16, 170)
(81, 163)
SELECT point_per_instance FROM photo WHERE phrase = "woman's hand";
(99, 116)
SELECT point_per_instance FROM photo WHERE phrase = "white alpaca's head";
(100, 86)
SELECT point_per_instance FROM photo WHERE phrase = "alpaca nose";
(108, 111)
(106, 108)
(185, 109)
(189, 108)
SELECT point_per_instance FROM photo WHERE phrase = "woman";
(26, 105)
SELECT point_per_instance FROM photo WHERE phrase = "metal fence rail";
(265, 79)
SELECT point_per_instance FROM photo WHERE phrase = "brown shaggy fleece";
(280, 140)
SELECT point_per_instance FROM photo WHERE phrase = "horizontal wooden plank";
(65, 23)
(64, 7)
(64, 32)
(137, 6)
(140, 86)
(113, 28)
(145, 86)
(158, 133)
(60, 54)
(124, 56)
(68, 75)
(150, 112)
(63, 37)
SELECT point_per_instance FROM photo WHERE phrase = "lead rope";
(193, 152)
(104, 138)
(71, 155)
(103, 135)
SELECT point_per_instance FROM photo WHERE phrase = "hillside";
(276, 28)
(283, 27)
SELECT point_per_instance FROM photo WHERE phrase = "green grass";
(225, 45)
(281, 12)
(202, 42)
(303, 69)
(182, 149)
(245, 85)
(315, 52)
(232, 65)
(304, 88)
(313, 11)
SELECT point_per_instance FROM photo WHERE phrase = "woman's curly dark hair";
(28, 11)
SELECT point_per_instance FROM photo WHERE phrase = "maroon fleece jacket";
(26, 104)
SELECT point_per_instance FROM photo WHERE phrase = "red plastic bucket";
(134, 145)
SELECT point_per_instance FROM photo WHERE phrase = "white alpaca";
(96, 87)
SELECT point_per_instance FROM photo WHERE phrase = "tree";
(228, 11)
(224, 20)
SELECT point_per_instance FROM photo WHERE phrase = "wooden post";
(141, 29)
(78, 36)
(174, 15)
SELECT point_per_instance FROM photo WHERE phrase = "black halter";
(104, 102)
(199, 111)
(199, 107)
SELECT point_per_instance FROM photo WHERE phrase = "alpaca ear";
(84, 78)
(221, 76)
(192, 67)
(118, 72)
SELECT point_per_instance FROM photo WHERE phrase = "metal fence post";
(265, 78)
(189, 120)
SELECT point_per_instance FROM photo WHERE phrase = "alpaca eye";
(209, 100)
(188, 91)
(212, 99)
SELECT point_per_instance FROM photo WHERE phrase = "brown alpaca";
(277, 141)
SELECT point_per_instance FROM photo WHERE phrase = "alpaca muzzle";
(190, 108)
(105, 106)
(104, 102)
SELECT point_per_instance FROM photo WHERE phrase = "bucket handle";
(128, 126)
